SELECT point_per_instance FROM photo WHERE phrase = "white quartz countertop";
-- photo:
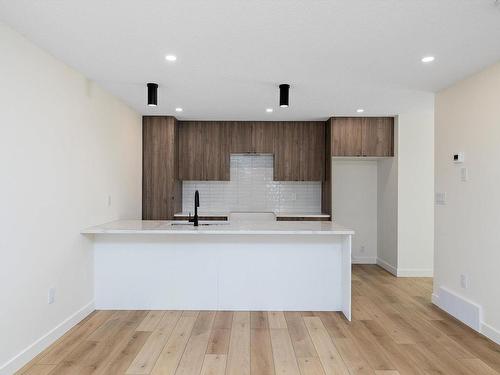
(237, 227)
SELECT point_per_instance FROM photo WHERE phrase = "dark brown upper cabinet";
(312, 151)
(378, 136)
(263, 137)
(346, 136)
(287, 152)
(191, 151)
(216, 165)
(241, 137)
(363, 136)
(204, 150)
(161, 188)
(299, 151)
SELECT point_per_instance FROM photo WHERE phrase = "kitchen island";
(268, 265)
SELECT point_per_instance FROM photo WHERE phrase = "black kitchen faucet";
(194, 220)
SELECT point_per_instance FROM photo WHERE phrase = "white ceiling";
(338, 55)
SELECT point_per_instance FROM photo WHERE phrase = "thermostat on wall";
(458, 158)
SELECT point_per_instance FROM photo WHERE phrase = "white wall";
(355, 204)
(416, 190)
(251, 188)
(467, 226)
(387, 214)
(65, 145)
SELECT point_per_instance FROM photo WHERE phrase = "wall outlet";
(362, 249)
(464, 281)
(109, 200)
(51, 296)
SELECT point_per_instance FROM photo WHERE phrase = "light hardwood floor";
(395, 330)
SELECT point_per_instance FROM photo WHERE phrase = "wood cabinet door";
(287, 151)
(191, 151)
(161, 189)
(241, 137)
(312, 151)
(216, 139)
(347, 136)
(378, 136)
(263, 137)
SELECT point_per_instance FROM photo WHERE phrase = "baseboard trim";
(45, 341)
(485, 329)
(468, 312)
(415, 272)
(363, 260)
(388, 267)
(490, 332)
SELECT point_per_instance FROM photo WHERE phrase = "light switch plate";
(464, 174)
(440, 198)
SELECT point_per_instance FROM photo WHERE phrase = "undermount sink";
(201, 223)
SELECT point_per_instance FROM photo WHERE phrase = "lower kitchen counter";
(257, 266)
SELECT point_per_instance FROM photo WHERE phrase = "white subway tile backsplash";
(252, 189)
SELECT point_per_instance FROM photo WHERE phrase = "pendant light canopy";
(152, 94)
(284, 89)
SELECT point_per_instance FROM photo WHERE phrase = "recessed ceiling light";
(360, 110)
(428, 59)
(170, 57)
(178, 109)
(269, 110)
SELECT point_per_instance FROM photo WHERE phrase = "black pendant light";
(152, 94)
(284, 89)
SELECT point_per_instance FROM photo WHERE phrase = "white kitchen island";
(269, 265)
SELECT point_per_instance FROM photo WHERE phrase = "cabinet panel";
(287, 151)
(312, 151)
(363, 136)
(241, 137)
(347, 136)
(161, 188)
(216, 138)
(204, 150)
(191, 151)
(378, 136)
(263, 137)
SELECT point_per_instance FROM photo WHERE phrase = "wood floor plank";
(218, 343)
(328, 354)
(261, 355)
(352, 357)
(223, 320)
(238, 360)
(214, 364)
(310, 366)
(122, 361)
(194, 354)
(145, 360)
(476, 366)
(258, 319)
(61, 348)
(285, 361)
(39, 370)
(276, 319)
(301, 341)
(171, 354)
(151, 321)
